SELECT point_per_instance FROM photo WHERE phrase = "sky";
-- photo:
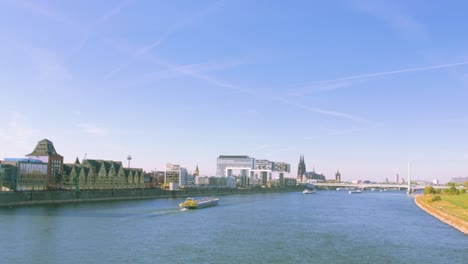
(363, 87)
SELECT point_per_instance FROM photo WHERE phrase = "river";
(326, 227)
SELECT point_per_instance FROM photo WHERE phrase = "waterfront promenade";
(54, 197)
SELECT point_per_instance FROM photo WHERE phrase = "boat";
(356, 191)
(192, 203)
(307, 191)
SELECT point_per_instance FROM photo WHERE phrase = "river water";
(326, 227)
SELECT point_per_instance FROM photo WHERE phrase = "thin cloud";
(318, 88)
(172, 29)
(334, 133)
(100, 20)
(92, 130)
(195, 67)
(378, 74)
(325, 112)
(113, 12)
(393, 15)
(35, 8)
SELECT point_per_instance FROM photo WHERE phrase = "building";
(8, 176)
(227, 165)
(190, 180)
(301, 169)
(304, 176)
(102, 174)
(26, 174)
(249, 171)
(397, 178)
(290, 182)
(197, 172)
(175, 174)
(202, 181)
(45, 152)
(157, 178)
(338, 176)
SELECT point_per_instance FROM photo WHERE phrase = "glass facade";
(8, 175)
(241, 162)
(264, 165)
(282, 167)
(32, 176)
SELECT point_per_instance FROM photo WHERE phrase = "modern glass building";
(23, 174)
(32, 176)
(225, 164)
(8, 175)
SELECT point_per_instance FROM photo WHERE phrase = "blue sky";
(363, 87)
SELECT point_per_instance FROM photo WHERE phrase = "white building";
(175, 174)
(252, 172)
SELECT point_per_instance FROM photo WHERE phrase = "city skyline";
(362, 87)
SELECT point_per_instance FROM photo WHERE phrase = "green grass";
(457, 200)
(455, 205)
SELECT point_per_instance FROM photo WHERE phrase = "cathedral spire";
(301, 168)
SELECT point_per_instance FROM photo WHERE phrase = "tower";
(197, 172)
(409, 179)
(301, 168)
(338, 176)
(129, 158)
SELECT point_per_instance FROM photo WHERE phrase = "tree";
(452, 190)
(429, 190)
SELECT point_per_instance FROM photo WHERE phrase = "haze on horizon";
(363, 87)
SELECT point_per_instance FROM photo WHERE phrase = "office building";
(175, 174)
(227, 166)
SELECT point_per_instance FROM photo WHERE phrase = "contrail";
(395, 72)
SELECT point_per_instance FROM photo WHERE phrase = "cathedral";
(303, 175)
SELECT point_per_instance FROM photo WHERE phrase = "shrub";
(462, 191)
(436, 198)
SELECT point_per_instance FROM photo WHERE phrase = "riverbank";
(440, 210)
(8, 199)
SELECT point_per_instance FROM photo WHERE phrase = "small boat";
(307, 191)
(192, 203)
(356, 191)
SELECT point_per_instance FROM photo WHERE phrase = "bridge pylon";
(409, 191)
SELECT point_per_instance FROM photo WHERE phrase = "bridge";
(373, 185)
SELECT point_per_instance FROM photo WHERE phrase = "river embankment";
(436, 211)
(58, 197)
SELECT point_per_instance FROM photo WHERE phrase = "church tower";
(338, 176)
(301, 168)
(197, 172)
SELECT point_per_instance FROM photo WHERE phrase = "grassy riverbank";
(450, 209)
